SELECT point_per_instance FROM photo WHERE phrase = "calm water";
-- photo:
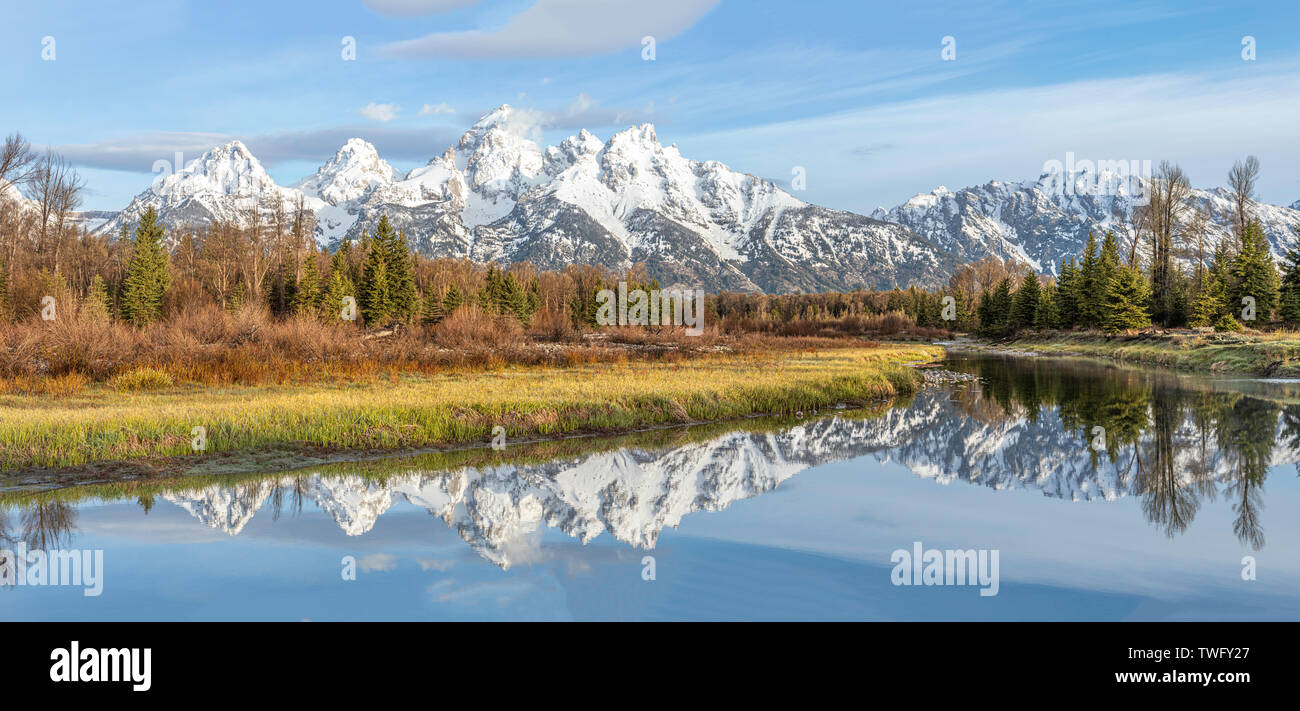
(1149, 517)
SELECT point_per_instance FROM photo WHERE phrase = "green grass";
(72, 489)
(1274, 355)
(106, 425)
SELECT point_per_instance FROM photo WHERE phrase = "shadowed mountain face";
(1085, 434)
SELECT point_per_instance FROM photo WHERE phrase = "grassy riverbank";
(74, 486)
(155, 430)
(1269, 354)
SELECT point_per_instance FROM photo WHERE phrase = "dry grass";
(203, 345)
(471, 328)
(890, 324)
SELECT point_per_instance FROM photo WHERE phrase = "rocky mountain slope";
(1041, 225)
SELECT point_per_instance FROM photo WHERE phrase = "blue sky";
(858, 94)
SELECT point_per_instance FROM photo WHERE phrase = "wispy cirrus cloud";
(563, 28)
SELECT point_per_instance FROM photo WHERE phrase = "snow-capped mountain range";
(634, 493)
(499, 195)
(1041, 224)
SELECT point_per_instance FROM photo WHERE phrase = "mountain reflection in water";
(1083, 433)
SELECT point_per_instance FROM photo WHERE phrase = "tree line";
(1163, 276)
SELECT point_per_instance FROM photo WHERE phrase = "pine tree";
(373, 296)
(147, 274)
(308, 296)
(399, 264)
(1254, 275)
(1289, 294)
(284, 290)
(1088, 290)
(1046, 317)
(432, 311)
(97, 306)
(995, 309)
(1212, 302)
(1025, 306)
(1067, 295)
(453, 300)
(236, 299)
(340, 288)
(1127, 294)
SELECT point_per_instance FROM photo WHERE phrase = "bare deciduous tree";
(57, 189)
(1241, 181)
(1170, 195)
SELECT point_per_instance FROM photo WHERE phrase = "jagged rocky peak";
(571, 150)
(501, 159)
(230, 169)
(355, 170)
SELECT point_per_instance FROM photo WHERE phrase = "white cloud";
(441, 566)
(436, 109)
(564, 28)
(380, 112)
(381, 562)
(416, 8)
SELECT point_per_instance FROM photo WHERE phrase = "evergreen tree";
(432, 311)
(373, 296)
(284, 290)
(1254, 275)
(1127, 295)
(1046, 317)
(1289, 294)
(147, 274)
(1212, 302)
(236, 298)
(339, 289)
(1067, 295)
(307, 299)
(1088, 289)
(995, 309)
(98, 306)
(399, 264)
(453, 300)
(1025, 304)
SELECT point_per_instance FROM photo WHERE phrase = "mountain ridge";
(498, 195)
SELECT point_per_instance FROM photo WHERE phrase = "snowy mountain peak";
(230, 169)
(499, 116)
(226, 184)
(355, 170)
